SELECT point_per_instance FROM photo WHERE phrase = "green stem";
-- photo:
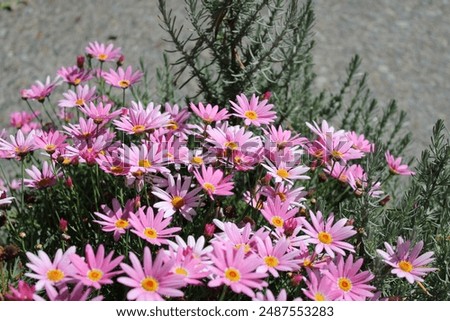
(22, 195)
(48, 114)
(222, 295)
(34, 113)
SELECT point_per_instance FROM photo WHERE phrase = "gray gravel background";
(404, 45)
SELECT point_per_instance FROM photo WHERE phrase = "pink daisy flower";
(122, 78)
(277, 212)
(111, 163)
(406, 262)
(74, 75)
(286, 193)
(325, 130)
(50, 273)
(319, 288)
(84, 130)
(360, 142)
(339, 149)
(50, 141)
(63, 293)
(232, 267)
(143, 159)
(280, 139)
(152, 228)
(213, 182)
(396, 167)
(177, 124)
(327, 236)
(153, 280)
(243, 238)
(19, 146)
(196, 247)
(276, 258)
(209, 113)
(100, 113)
(103, 52)
(178, 198)
(24, 292)
(82, 96)
(5, 200)
(282, 171)
(269, 296)
(41, 179)
(254, 112)
(116, 219)
(187, 265)
(96, 270)
(140, 120)
(24, 121)
(39, 91)
(233, 138)
(350, 284)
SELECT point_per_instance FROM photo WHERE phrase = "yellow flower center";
(138, 129)
(343, 178)
(177, 202)
(95, 275)
(319, 296)
(345, 284)
(150, 284)
(79, 102)
(98, 120)
(181, 271)
(283, 173)
(308, 263)
(197, 160)
(102, 57)
(245, 246)
(232, 274)
(393, 171)
(271, 261)
(66, 161)
(173, 125)
(282, 196)
(277, 221)
(45, 182)
(232, 145)
(144, 163)
(124, 83)
(121, 223)
(55, 275)
(209, 187)
(116, 169)
(150, 233)
(337, 155)
(20, 151)
(50, 148)
(138, 173)
(251, 114)
(405, 266)
(325, 237)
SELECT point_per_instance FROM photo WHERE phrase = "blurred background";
(404, 46)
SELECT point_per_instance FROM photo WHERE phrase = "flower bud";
(267, 95)
(120, 60)
(289, 226)
(63, 224)
(80, 61)
(209, 230)
(296, 279)
(69, 182)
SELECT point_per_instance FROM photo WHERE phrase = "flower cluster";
(198, 195)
